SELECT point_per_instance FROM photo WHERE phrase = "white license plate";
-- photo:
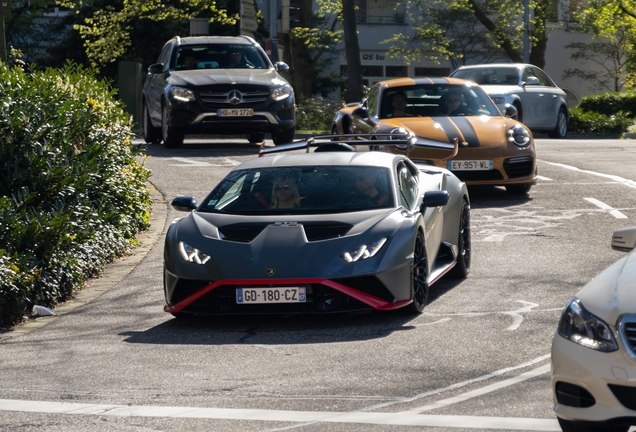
(469, 165)
(271, 295)
(236, 112)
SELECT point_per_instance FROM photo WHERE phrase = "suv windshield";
(301, 190)
(213, 56)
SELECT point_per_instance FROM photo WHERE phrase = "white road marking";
(354, 417)
(540, 177)
(617, 214)
(624, 181)
(517, 318)
(192, 163)
(483, 390)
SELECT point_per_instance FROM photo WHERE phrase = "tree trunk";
(353, 90)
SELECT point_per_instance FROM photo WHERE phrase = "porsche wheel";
(419, 274)
(569, 426)
(518, 189)
(464, 247)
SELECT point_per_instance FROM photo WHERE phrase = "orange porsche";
(493, 148)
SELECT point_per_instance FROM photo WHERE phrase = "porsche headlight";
(364, 251)
(585, 328)
(182, 94)
(519, 135)
(281, 93)
(192, 254)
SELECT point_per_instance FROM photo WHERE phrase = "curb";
(112, 274)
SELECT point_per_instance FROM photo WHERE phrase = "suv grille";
(627, 331)
(242, 97)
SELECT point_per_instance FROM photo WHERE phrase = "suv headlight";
(585, 328)
(519, 136)
(498, 99)
(182, 94)
(281, 93)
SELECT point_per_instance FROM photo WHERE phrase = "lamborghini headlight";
(192, 254)
(519, 135)
(281, 93)
(585, 328)
(364, 251)
(182, 94)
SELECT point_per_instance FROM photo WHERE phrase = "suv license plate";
(470, 165)
(236, 112)
(271, 295)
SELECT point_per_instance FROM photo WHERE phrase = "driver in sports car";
(367, 188)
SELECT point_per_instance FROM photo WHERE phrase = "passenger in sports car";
(399, 101)
(285, 193)
(367, 186)
(450, 104)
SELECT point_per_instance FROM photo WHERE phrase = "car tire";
(151, 133)
(256, 138)
(419, 273)
(284, 137)
(561, 129)
(518, 189)
(462, 267)
(570, 426)
(171, 139)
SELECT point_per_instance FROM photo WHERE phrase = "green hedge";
(316, 114)
(73, 195)
(604, 114)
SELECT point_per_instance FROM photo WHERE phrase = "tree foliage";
(613, 26)
(108, 32)
(471, 30)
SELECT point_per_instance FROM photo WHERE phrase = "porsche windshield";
(301, 190)
(429, 100)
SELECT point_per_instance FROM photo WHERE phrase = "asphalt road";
(477, 359)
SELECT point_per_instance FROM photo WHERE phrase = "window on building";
(397, 71)
(372, 71)
(432, 71)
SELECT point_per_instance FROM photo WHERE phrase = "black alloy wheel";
(151, 134)
(419, 273)
(464, 247)
(171, 139)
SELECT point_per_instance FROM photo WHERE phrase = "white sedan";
(541, 104)
(594, 349)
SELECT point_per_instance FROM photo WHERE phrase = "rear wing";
(405, 142)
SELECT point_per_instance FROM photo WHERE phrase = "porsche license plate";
(236, 112)
(271, 295)
(470, 165)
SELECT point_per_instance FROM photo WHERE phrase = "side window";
(407, 183)
(543, 78)
(373, 98)
(164, 57)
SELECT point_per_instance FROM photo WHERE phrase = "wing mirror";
(434, 199)
(155, 68)
(281, 66)
(360, 112)
(624, 239)
(532, 80)
(184, 203)
(511, 111)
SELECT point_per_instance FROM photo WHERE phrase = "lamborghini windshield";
(301, 190)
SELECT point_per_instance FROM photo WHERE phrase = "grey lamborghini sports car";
(328, 230)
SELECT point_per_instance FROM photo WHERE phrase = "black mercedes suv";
(216, 85)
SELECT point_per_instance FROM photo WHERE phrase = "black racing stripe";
(439, 80)
(449, 128)
(467, 130)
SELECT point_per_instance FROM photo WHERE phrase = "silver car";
(541, 104)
